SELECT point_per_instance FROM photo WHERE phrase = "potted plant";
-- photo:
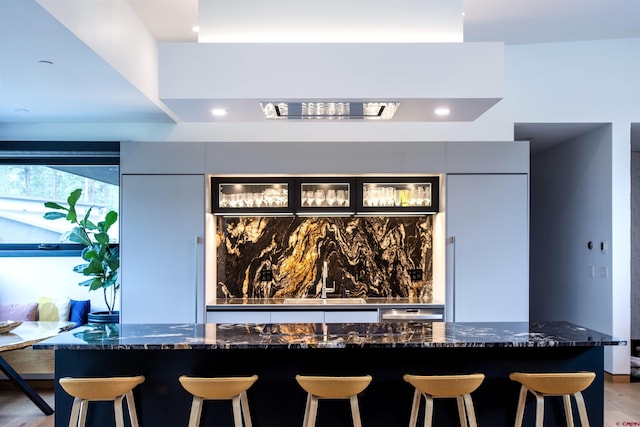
(102, 258)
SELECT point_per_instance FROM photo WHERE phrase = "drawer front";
(238, 317)
(297, 317)
(360, 316)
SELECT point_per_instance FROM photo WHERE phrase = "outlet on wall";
(415, 275)
(266, 275)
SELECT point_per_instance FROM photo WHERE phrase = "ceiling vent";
(329, 110)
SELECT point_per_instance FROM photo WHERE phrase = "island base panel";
(277, 400)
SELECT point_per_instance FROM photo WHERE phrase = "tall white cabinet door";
(487, 247)
(161, 244)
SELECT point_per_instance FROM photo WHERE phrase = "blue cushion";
(79, 311)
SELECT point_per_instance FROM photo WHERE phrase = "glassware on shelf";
(396, 195)
(319, 197)
(247, 198)
(341, 197)
(252, 197)
(331, 197)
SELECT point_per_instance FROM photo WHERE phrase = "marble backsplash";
(282, 257)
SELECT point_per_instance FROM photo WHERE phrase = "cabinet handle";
(197, 249)
(452, 304)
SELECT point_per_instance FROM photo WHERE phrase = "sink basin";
(328, 301)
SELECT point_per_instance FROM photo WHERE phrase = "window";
(28, 178)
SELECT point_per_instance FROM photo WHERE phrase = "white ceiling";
(80, 86)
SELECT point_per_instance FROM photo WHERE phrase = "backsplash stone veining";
(366, 256)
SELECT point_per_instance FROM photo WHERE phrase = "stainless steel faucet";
(325, 273)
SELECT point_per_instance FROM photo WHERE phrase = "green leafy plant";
(102, 259)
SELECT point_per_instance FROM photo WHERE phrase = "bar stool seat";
(116, 389)
(431, 387)
(221, 388)
(318, 387)
(553, 384)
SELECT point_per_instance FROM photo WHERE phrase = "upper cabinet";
(258, 195)
(399, 195)
(325, 195)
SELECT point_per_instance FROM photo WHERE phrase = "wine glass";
(257, 199)
(340, 197)
(248, 199)
(319, 197)
(331, 197)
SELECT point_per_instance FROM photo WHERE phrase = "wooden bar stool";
(332, 388)
(223, 388)
(553, 384)
(444, 386)
(115, 389)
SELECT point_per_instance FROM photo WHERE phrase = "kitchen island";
(277, 352)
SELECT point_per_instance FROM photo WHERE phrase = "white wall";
(26, 279)
(570, 188)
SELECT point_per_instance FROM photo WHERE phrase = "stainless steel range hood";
(329, 110)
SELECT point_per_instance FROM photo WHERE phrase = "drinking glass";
(331, 197)
(248, 199)
(257, 199)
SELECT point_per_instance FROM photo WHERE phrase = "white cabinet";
(293, 316)
(298, 316)
(162, 230)
(487, 247)
(363, 316)
(239, 317)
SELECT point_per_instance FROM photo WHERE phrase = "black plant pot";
(103, 317)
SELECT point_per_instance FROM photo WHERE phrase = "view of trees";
(36, 182)
(25, 188)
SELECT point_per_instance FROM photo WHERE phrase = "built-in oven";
(411, 314)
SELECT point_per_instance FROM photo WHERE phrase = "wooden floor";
(621, 406)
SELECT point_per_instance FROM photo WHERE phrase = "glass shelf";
(251, 196)
(325, 196)
(410, 195)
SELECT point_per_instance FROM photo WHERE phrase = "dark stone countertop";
(342, 335)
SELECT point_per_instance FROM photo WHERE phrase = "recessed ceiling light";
(195, 29)
(442, 111)
(219, 112)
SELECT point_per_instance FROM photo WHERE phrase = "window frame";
(70, 153)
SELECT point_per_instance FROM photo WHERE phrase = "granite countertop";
(310, 303)
(318, 335)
